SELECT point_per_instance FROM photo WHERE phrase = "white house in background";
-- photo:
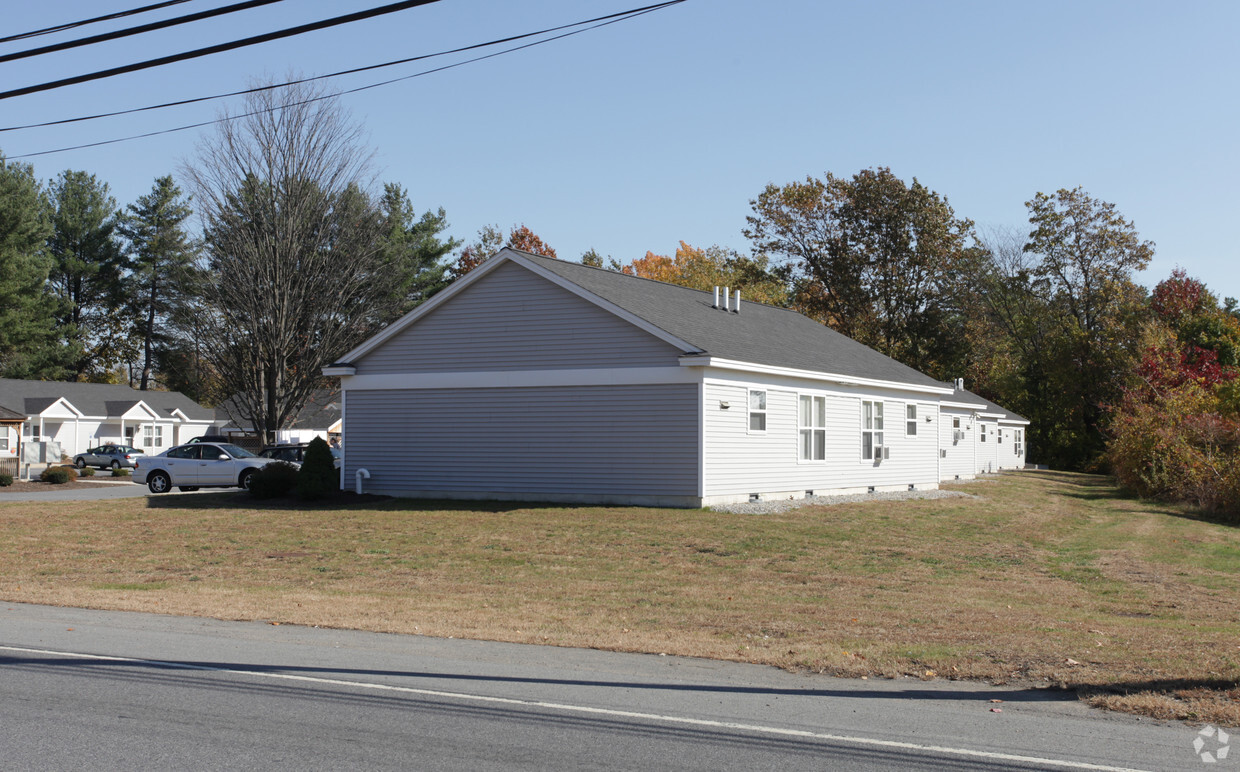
(977, 436)
(83, 415)
(319, 417)
(538, 379)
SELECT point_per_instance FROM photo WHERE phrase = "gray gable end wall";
(512, 319)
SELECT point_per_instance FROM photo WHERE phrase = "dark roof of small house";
(758, 333)
(95, 399)
(10, 415)
(965, 395)
(320, 411)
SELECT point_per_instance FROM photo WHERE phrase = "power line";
(129, 31)
(355, 70)
(622, 16)
(277, 35)
(75, 24)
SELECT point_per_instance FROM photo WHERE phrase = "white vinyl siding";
(957, 437)
(738, 463)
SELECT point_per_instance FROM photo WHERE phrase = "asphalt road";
(112, 690)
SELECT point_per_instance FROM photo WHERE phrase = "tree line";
(300, 256)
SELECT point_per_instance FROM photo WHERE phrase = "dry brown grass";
(1048, 579)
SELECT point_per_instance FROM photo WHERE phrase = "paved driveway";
(121, 489)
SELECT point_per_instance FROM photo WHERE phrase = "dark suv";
(295, 453)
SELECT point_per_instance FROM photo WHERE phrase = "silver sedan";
(199, 465)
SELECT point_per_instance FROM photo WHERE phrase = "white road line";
(756, 728)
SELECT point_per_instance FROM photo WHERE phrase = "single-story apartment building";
(83, 415)
(538, 379)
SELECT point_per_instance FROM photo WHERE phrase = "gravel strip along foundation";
(783, 505)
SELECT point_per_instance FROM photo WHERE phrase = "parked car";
(104, 456)
(209, 438)
(295, 453)
(198, 465)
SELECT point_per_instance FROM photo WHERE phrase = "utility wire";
(277, 35)
(129, 31)
(623, 16)
(75, 24)
(340, 73)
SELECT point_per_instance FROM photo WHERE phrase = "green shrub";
(58, 475)
(5, 480)
(117, 472)
(274, 480)
(87, 471)
(318, 477)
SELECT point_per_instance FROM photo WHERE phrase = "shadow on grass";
(1162, 686)
(1092, 487)
(345, 501)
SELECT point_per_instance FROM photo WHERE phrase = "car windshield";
(237, 452)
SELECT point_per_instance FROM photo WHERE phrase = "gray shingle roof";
(965, 394)
(320, 411)
(95, 399)
(759, 334)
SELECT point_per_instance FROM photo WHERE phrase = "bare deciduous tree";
(294, 249)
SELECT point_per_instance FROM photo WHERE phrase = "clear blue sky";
(635, 136)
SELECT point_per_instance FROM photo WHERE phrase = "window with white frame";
(871, 428)
(153, 436)
(981, 433)
(1018, 442)
(812, 423)
(757, 410)
(4, 441)
(910, 420)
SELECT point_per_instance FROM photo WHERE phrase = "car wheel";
(116, 465)
(246, 479)
(188, 488)
(81, 462)
(159, 482)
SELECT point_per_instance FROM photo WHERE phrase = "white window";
(981, 436)
(910, 420)
(757, 411)
(999, 436)
(1018, 443)
(871, 428)
(153, 436)
(4, 442)
(812, 423)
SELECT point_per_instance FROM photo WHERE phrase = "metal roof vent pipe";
(736, 307)
(716, 303)
(726, 291)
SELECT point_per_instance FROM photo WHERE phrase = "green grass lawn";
(1040, 578)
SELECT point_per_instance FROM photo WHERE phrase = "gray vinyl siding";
(738, 461)
(592, 441)
(512, 319)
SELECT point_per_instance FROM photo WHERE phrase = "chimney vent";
(737, 305)
(716, 303)
(726, 290)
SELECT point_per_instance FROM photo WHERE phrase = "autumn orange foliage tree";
(491, 240)
(705, 269)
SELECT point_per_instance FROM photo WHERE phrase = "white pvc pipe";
(360, 474)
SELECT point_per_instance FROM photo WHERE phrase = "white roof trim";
(813, 375)
(61, 401)
(145, 408)
(962, 405)
(340, 370)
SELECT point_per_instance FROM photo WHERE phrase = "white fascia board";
(63, 403)
(180, 415)
(449, 292)
(1014, 421)
(339, 370)
(606, 305)
(485, 379)
(992, 415)
(140, 410)
(963, 405)
(811, 375)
